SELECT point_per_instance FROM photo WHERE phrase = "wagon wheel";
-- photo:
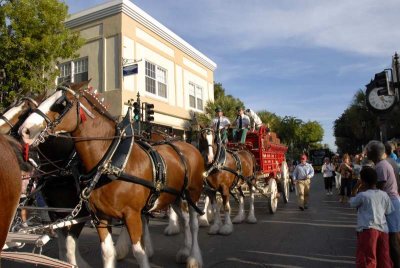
(285, 182)
(272, 195)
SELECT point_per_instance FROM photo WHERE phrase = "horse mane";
(91, 97)
(97, 104)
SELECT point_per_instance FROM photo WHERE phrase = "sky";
(302, 58)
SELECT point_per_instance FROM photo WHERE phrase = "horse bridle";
(5, 119)
(50, 125)
(208, 131)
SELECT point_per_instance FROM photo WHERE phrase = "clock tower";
(382, 94)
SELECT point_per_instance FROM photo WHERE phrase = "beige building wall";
(120, 39)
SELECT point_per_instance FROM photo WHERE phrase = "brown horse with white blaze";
(226, 170)
(93, 134)
(10, 184)
(58, 189)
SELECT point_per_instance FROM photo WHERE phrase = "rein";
(78, 139)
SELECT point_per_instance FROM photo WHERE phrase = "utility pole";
(396, 72)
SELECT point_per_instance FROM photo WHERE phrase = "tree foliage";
(33, 38)
(311, 132)
(270, 119)
(356, 126)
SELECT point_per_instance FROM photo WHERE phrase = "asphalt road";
(322, 236)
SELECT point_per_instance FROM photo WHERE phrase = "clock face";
(378, 101)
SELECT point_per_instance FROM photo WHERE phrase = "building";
(173, 75)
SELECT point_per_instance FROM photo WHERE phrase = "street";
(322, 236)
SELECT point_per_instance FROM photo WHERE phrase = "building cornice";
(127, 7)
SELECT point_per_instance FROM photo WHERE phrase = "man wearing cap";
(302, 175)
(220, 124)
(242, 126)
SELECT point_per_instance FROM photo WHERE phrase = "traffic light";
(149, 107)
(136, 111)
(382, 80)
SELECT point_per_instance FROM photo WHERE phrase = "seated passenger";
(242, 126)
(220, 124)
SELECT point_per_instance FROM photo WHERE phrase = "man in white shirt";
(242, 126)
(220, 124)
(256, 122)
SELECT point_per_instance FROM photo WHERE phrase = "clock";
(378, 100)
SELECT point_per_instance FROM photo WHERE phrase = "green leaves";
(33, 38)
(355, 126)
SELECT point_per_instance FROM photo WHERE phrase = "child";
(372, 230)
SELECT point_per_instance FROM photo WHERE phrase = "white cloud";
(366, 26)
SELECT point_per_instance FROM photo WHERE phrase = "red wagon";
(272, 171)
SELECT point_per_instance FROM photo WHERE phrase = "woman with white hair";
(328, 171)
(387, 182)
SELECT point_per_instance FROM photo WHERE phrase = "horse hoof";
(238, 219)
(193, 263)
(251, 219)
(182, 255)
(171, 230)
(226, 229)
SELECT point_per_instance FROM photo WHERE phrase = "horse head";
(207, 145)
(15, 114)
(61, 112)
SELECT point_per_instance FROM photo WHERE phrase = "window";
(65, 73)
(73, 71)
(156, 80)
(81, 70)
(195, 96)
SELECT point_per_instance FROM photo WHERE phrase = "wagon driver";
(242, 126)
(302, 175)
(220, 124)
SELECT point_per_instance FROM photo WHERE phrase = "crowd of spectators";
(370, 181)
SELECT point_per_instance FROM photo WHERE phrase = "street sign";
(130, 69)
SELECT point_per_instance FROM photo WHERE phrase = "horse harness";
(219, 164)
(113, 164)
